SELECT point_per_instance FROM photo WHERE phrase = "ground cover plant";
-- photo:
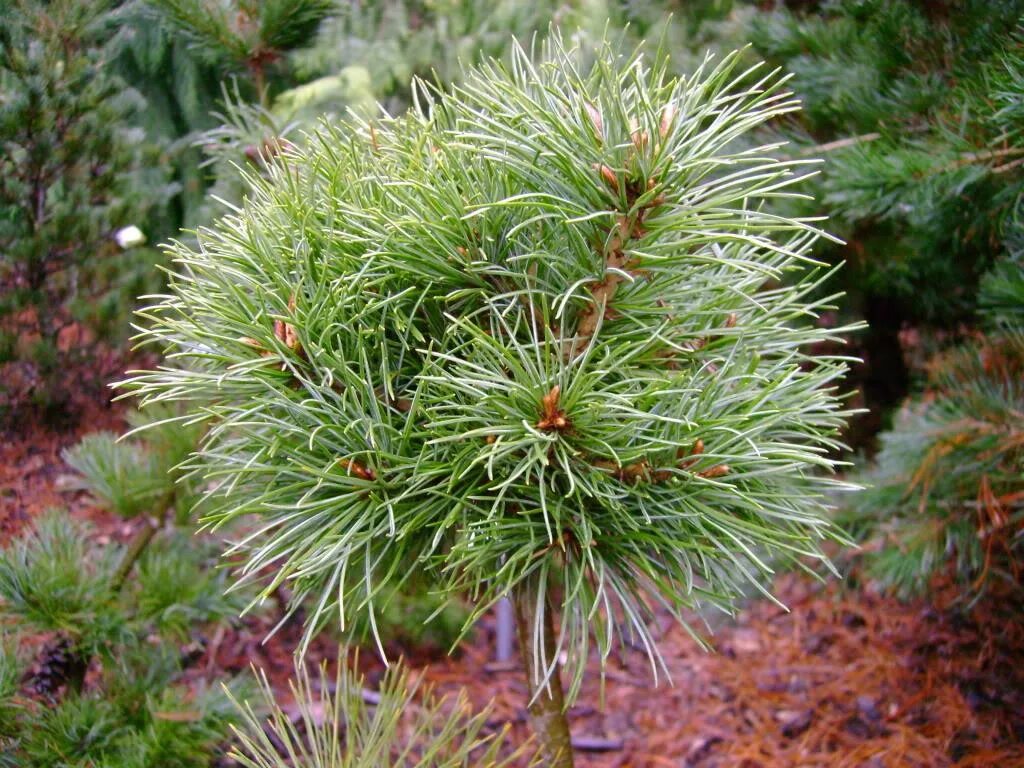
(538, 338)
(97, 634)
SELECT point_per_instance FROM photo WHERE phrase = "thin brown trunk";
(547, 712)
(138, 543)
(136, 547)
(79, 661)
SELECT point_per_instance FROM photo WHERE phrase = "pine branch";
(403, 729)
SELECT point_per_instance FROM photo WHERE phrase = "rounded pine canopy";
(549, 332)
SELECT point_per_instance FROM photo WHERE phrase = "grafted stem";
(547, 711)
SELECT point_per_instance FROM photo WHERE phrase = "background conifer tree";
(916, 105)
(945, 496)
(244, 36)
(72, 173)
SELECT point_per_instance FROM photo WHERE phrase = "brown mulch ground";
(845, 678)
(33, 476)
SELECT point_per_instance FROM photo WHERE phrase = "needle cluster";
(540, 334)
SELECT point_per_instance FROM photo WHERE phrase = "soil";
(845, 678)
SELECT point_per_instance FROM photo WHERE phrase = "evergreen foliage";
(51, 580)
(69, 159)
(88, 674)
(91, 673)
(1001, 292)
(395, 42)
(246, 137)
(181, 89)
(381, 48)
(240, 123)
(916, 104)
(335, 727)
(946, 495)
(139, 475)
(244, 36)
(545, 341)
(553, 335)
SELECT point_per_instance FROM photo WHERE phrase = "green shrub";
(53, 579)
(89, 668)
(543, 341)
(121, 475)
(245, 37)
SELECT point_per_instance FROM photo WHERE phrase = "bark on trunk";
(547, 712)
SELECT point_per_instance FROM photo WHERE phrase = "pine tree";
(91, 662)
(917, 105)
(945, 497)
(385, 47)
(138, 476)
(393, 43)
(242, 48)
(245, 36)
(544, 342)
(89, 665)
(181, 88)
(70, 157)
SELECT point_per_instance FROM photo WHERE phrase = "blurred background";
(126, 124)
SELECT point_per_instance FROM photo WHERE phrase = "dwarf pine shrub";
(91, 665)
(542, 337)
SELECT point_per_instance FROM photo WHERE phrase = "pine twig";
(832, 146)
